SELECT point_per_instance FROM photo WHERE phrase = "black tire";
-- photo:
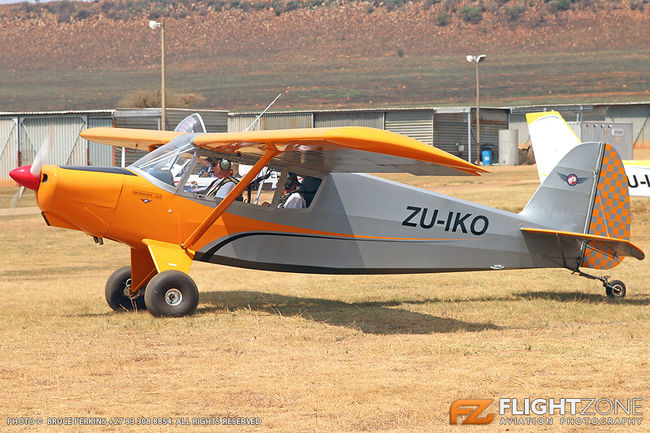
(171, 294)
(615, 289)
(117, 292)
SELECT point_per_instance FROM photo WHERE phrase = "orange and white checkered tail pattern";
(610, 215)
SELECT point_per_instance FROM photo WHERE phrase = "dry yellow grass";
(311, 353)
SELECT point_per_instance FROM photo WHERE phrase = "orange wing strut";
(270, 152)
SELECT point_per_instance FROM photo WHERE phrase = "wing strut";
(269, 154)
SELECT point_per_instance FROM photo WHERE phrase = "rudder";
(610, 213)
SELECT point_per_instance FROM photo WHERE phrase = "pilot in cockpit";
(225, 180)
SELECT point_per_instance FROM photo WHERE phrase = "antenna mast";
(262, 113)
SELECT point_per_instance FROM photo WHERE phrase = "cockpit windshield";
(168, 161)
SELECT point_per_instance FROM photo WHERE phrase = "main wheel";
(171, 294)
(615, 289)
(118, 291)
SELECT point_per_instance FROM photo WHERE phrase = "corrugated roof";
(54, 113)
(442, 108)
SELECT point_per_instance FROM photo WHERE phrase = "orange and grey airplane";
(340, 222)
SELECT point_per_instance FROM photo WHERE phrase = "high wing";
(137, 139)
(340, 149)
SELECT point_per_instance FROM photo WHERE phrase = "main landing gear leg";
(614, 289)
(125, 287)
(118, 292)
(171, 292)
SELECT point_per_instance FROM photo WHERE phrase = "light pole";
(155, 25)
(477, 60)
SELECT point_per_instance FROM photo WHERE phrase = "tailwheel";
(118, 292)
(171, 294)
(615, 289)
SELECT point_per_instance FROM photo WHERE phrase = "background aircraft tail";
(551, 138)
(585, 199)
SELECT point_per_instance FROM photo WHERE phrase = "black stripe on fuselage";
(113, 170)
(211, 256)
(213, 250)
(303, 269)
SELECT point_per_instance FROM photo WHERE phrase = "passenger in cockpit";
(291, 198)
(206, 169)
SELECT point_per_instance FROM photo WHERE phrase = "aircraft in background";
(552, 138)
(350, 223)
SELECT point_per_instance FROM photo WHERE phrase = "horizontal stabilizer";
(610, 246)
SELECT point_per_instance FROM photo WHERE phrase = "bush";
(559, 5)
(218, 5)
(472, 14)
(151, 99)
(443, 18)
(107, 6)
(82, 14)
(514, 13)
(450, 5)
(429, 3)
(637, 4)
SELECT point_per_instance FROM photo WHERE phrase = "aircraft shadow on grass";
(588, 298)
(369, 317)
(578, 297)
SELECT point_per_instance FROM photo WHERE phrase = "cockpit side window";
(167, 163)
(298, 191)
(205, 175)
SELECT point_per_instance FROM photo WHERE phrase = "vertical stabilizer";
(585, 193)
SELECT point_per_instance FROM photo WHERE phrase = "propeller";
(41, 155)
(16, 198)
(29, 176)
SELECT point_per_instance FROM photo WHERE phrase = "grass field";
(347, 81)
(310, 353)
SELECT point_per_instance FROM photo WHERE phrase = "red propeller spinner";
(23, 176)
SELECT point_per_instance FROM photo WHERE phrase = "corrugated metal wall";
(8, 149)
(450, 132)
(414, 124)
(372, 119)
(638, 116)
(100, 155)
(618, 135)
(22, 133)
(492, 121)
(214, 120)
(240, 122)
(67, 147)
(518, 123)
(137, 119)
(149, 118)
